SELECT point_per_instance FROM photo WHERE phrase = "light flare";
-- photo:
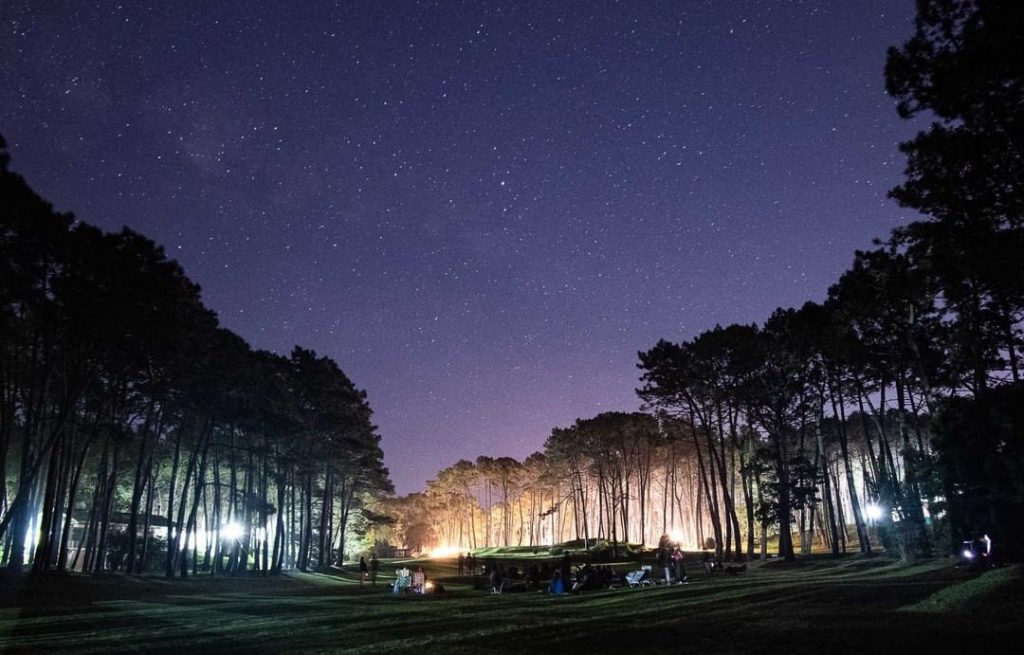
(444, 551)
(233, 531)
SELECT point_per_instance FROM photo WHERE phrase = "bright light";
(429, 586)
(232, 531)
(444, 551)
(873, 512)
(968, 554)
(199, 540)
(676, 536)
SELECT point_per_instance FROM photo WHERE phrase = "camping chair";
(636, 578)
(403, 580)
(647, 580)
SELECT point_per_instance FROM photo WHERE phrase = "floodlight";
(232, 531)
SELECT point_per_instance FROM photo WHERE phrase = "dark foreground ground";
(870, 606)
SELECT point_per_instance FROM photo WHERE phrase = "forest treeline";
(137, 434)
(892, 411)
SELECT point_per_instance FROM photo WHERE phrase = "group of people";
(372, 569)
(501, 576)
(670, 560)
(555, 578)
(467, 564)
(596, 577)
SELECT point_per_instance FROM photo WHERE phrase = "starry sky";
(481, 210)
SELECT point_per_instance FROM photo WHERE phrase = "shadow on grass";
(841, 605)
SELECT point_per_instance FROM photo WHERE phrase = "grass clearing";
(843, 605)
(959, 595)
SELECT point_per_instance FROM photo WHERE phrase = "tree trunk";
(197, 496)
(62, 556)
(171, 537)
(323, 557)
(150, 494)
(50, 520)
(138, 487)
(863, 540)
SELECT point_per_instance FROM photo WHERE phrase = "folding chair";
(635, 578)
(403, 581)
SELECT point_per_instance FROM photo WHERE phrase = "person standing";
(709, 566)
(374, 567)
(362, 571)
(664, 563)
(419, 581)
(677, 560)
(462, 564)
(497, 580)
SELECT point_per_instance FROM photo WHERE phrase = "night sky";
(482, 211)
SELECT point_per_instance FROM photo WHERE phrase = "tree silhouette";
(122, 402)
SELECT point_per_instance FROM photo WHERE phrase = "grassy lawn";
(817, 606)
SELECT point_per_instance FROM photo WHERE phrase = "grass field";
(819, 606)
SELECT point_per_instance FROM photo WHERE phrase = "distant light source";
(444, 551)
(233, 531)
(676, 536)
(873, 512)
(968, 554)
(428, 586)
